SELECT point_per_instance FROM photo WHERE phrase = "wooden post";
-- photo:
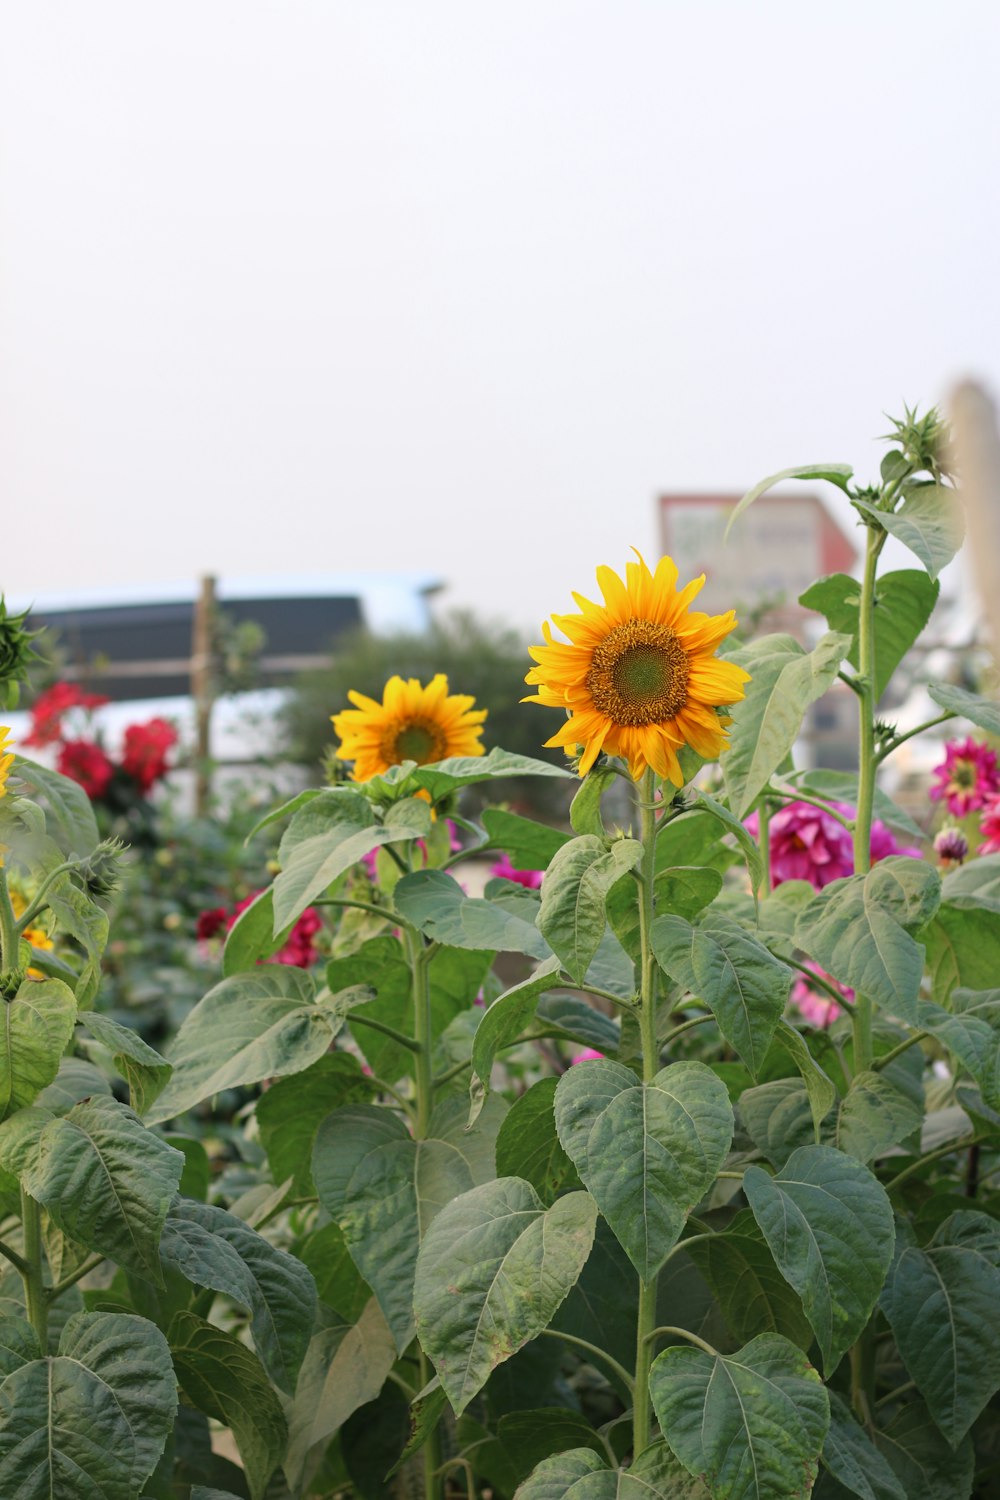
(203, 691)
(977, 450)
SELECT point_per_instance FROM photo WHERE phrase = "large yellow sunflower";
(411, 723)
(6, 759)
(639, 677)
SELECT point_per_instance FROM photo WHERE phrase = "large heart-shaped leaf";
(383, 1188)
(752, 1424)
(942, 1306)
(722, 964)
(963, 942)
(493, 1268)
(35, 1027)
(647, 1152)
(106, 1181)
(904, 602)
(435, 902)
(90, 1421)
(254, 1026)
(530, 845)
(859, 930)
(572, 914)
(929, 522)
(215, 1249)
(829, 1224)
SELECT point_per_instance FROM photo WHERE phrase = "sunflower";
(411, 723)
(6, 760)
(639, 677)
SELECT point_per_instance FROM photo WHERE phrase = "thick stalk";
(9, 940)
(644, 1349)
(866, 769)
(34, 1285)
(764, 835)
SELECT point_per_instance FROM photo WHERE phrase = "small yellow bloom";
(424, 724)
(6, 760)
(36, 936)
(639, 676)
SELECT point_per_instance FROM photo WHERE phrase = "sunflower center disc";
(417, 741)
(638, 674)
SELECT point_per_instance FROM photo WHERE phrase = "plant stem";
(952, 1147)
(430, 1453)
(397, 1036)
(369, 906)
(862, 1013)
(823, 805)
(879, 1063)
(38, 903)
(9, 938)
(764, 839)
(686, 1026)
(900, 739)
(17, 1261)
(90, 1264)
(592, 1349)
(682, 1333)
(34, 1285)
(650, 1066)
(418, 955)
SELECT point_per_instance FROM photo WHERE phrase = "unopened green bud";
(99, 870)
(16, 654)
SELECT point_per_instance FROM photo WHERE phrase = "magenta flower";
(587, 1055)
(951, 846)
(815, 1005)
(504, 870)
(990, 825)
(807, 843)
(967, 777)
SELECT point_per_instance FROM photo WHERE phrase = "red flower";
(145, 750)
(300, 950)
(210, 923)
(50, 707)
(967, 777)
(86, 763)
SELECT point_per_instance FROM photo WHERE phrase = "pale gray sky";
(460, 285)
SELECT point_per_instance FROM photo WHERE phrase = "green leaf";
(752, 1424)
(572, 913)
(829, 1224)
(80, 917)
(384, 1188)
(582, 1474)
(748, 845)
(324, 1252)
(585, 809)
(963, 943)
(929, 522)
(67, 806)
(971, 1032)
(984, 712)
(478, 1145)
(145, 1071)
(35, 1027)
(563, 1015)
(93, 1419)
(327, 837)
(436, 903)
(784, 681)
(530, 845)
(448, 775)
(685, 890)
(778, 1117)
(532, 1436)
(503, 1022)
(876, 1115)
(492, 1270)
(105, 1179)
(842, 786)
(264, 1024)
(290, 1113)
(837, 474)
(528, 1146)
(904, 602)
(215, 1249)
(822, 1090)
(941, 1304)
(252, 936)
(18, 1343)
(76, 1080)
(853, 1460)
(225, 1380)
(752, 1294)
(925, 1465)
(858, 929)
(647, 1152)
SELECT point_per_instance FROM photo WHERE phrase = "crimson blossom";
(967, 777)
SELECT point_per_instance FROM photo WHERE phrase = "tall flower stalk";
(646, 1322)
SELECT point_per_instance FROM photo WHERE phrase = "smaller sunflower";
(424, 724)
(6, 759)
(639, 676)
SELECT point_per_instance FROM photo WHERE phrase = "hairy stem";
(418, 955)
(34, 1285)
(650, 1067)
(9, 938)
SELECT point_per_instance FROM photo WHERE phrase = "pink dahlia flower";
(807, 843)
(504, 870)
(967, 777)
(815, 1005)
(990, 825)
(587, 1055)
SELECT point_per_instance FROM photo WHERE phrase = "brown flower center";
(638, 674)
(419, 739)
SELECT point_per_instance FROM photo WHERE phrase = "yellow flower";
(424, 724)
(6, 760)
(639, 677)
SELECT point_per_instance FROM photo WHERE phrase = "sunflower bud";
(100, 869)
(925, 442)
(16, 654)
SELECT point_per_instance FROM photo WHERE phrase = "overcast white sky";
(461, 285)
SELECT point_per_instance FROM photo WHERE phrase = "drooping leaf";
(225, 1380)
(528, 1146)
(859, 930)
(571, 1475)
(924, 1463)
(821, 1089)
(785, 680)
(842, 786)
(829, 1224)
(854, 1461)
(264, 1024)
(290, 1113)
(567, 1016)
(971, 1031)
(215, 1249)
(963, 943)
(252, 936)
(778, 1117)
(585, 809)
(837, 474)
(503, 1022)
(942, 1306)
(753, 1295)
(904, 602)
(106, 1181)
(572, 914)
(745, 986)
(493, 1268)
(875, 1115)
(79, 916)
(435, 902)
(647, 1152)
(530, 845)
(752, 1424)
(603, 1304)
(35, 1027)
(384, 1188)
(747, 844)
(91, 1420)
(929, 522)
(143, 1068)
(532, 1436)
(69, 811)
(985, 712)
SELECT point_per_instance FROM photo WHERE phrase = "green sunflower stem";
(9, 938)
(646, 1321)
(867, 767)
(764, 839)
